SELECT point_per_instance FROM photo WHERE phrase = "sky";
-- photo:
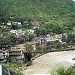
(73, 0)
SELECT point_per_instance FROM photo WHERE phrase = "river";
(50, 61)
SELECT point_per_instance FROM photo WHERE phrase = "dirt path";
(45, 63)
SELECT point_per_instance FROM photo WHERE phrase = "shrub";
(65, 71)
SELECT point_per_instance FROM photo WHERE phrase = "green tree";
(57, 29)
(64, 38)
(58, 12)
(28, 47)
(71, 39)
(37, 32)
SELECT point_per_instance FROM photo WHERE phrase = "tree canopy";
(59, 12)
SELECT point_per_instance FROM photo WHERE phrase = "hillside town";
(33, 38)
(23, 45)
(37, 37)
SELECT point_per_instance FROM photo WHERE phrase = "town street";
(45, 63)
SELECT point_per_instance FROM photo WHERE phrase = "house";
(19, 33)
(13, 31)
(36, 24)
(53, 37)
(30, 31)
(9, 24)
(15, 53)
(40, 40)
(17, 23)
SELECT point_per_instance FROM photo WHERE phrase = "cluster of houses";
(35, 24)
(18, 33)
(40, 40)
(43, 41)
(50, 38)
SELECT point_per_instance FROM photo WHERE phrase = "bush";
(13, 67)
(65, 71)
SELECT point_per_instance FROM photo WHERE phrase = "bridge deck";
(51, 50)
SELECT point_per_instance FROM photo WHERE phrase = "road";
(47, 62)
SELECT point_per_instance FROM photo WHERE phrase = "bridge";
(51, 50)
(36, 54)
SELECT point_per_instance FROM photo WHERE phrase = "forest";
(56, 12)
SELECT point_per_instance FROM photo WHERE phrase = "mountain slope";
(55, 11)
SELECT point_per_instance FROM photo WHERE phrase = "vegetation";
(7, 41)
(65, 71)
(54, 44)
(28, 46)
(71, 39)
(13, 67)
(56, 12)
(57, 16)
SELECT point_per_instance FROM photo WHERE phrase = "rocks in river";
(73, 58)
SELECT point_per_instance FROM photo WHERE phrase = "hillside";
(59, 12)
